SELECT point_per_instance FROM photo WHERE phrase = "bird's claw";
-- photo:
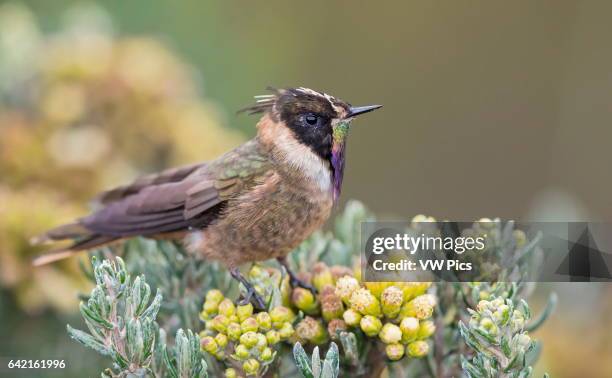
(253, 297)
(296, 282)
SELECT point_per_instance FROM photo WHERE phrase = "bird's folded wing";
(167, 176)
(192, 202)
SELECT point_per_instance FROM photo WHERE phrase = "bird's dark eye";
(311, 119)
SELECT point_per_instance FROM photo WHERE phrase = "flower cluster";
(496, 331)
(246, 337)
(396, 314)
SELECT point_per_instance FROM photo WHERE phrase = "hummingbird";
(254, 203)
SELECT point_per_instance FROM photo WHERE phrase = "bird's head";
(315, 120)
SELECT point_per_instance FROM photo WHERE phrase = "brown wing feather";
(166, 176)
(158, 209)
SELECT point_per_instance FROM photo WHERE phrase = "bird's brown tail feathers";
(83, 240)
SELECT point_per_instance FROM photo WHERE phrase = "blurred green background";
(491, 109)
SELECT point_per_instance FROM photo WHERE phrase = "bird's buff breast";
(266, 222)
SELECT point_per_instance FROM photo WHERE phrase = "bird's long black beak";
(357, 110)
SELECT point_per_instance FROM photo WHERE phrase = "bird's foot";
(294, 281)
(251, 295)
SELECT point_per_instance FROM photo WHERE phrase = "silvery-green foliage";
(496, 333)
(185, 361)
(313, 367)
(120, 317)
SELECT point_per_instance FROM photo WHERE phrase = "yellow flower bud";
(351, 317)
(286, 331)
(231, 373)
(338, 271)
(244, 311)
(417, 349)
(482, 305)
(285, 289)
(262, 342)
(250, 366)
(227, 308)
(249, 324)
(523, 341)
(209, 345)
(390, 334)
(219, 323)
(394, 351)
(221, 340)
(489, 326)
(321, 276)
(409, 289)
(519, 238)
(421, 288)
(214, 296)
(311, 330)
(273, 337)
(331, 304)
(391, 301)
(370, 325)
(234, 331)
(420, 218)
(364, 302)
(426, 329)
(256, 271)
(410, 328)
(502, 312)
(280, 315)
(210, 308)
(486, 223)
(304, 300)
(249, 339)
(497, 302)
(376, 288)
(345, 286)
(420, 307)
(241, 352)
(266, 354)
(264, 321)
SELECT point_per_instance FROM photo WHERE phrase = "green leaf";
(548, 310)
(328, 371)
(349, 345)
(169, 363)
(333, 358)
(153, 309)
(87, 340)
(316, 362)
(505, 346)
(525, 309)
(301, 361)
(90, 315)
(469, 369)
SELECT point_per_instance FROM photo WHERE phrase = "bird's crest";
(299, 95)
